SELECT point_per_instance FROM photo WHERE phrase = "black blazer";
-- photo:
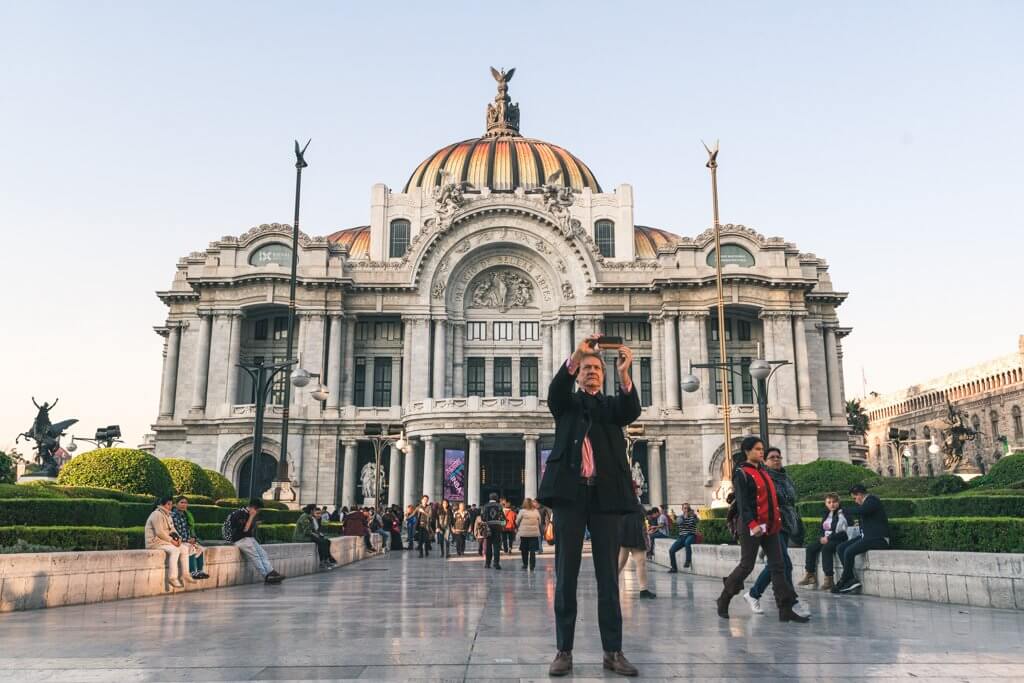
(561, 480)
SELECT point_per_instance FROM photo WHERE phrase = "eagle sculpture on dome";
(502, 115)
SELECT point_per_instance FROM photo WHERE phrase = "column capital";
(310, 314)
(828, 325)
(531, 437)
(350, 443)
(474, 438)
(656, 442)
(416, 318)
(428, 438)
(695, 315)
(774, 314)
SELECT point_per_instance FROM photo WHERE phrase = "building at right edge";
(991, 397)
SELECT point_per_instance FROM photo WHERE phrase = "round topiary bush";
(1006, 472)
(945, 484)
(124, 469)
(222, 486)
(817, 478)
(188, 477)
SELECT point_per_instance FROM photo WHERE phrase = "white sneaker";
(755, 603)
(802, 610)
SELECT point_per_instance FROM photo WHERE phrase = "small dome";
(502, 159)
(356, 239)
(647, 241)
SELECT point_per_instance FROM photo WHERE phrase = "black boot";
(786, 613)
(723, 604)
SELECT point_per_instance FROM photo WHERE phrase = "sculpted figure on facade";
(449, 197)
(557, 199)
(502, 289)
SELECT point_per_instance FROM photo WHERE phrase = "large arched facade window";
(604, 237)
(398, 238)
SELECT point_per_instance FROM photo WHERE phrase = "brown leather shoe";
(810, 579)
(562, 665)
(828, 583)
(617, 662)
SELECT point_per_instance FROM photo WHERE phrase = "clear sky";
(882, 136)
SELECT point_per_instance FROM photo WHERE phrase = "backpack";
(493, 515)
(732, 521)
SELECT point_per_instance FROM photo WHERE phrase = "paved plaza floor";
(404, 618)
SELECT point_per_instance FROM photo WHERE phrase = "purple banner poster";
(454, 475)
(543, 462)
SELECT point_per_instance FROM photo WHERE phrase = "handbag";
(549, 533)
(699, 537)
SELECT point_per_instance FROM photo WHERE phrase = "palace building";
(448, 313)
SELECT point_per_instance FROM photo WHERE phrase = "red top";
(766, 498)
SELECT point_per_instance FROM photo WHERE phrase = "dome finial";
(502, 115)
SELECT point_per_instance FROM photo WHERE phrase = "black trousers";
(571, 519)
(529, 558)
(423, 540)
(493, 544)
(828, 556)
(749, 545)
(849, 551)
(460, 543)
(323, 548)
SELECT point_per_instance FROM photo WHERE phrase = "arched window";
(976, 423)
(398, 240)
(993, 418)
(604, 236)
(1018, 426)
(913, 446)
(878, 450)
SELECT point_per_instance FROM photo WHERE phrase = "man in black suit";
(587, 484)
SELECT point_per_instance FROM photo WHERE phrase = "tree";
(7, 469)
(856, 417)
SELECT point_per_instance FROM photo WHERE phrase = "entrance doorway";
(502, 472)
(265, 474)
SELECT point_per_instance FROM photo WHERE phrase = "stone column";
(515, 377)
(412, 496)
(458, 332)
(702, 333)
(394, 475)
(546, 370)
(568, 344)
(234, 358)
(656, 483)
(768, 330)
(803, 373)
(349, 378)
(371, 362)
(473, 474)
(420, 359)
(440, 361)
(657, 378)
(202, 366)
(348, 480)
(690, 331)
(169, 388)
(407, 340)
(334, 363)
(396, 373)
(785, 375)
(671, 355)
(530, 453)
(835, 395)
(429, 465)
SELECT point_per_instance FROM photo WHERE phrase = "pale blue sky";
(884, 137)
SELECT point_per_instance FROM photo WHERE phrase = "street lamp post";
(760, 369)
(105, 438)
(381, 435)
(900, 438)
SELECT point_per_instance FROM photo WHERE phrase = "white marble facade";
(454, 336)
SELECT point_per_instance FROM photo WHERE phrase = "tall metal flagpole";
(282, 482)
(726, 379)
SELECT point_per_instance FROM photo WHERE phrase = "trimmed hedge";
(111, 513)
(188, 477)
(940, 506)
(894, 507)
(196, 499)
(906, 487)
(13, 491)
(946, 484)
(124, 469)
(1006, 472)
(222, 486)
(97, 492)
(815, 479)
(73, 537)
(240, 502)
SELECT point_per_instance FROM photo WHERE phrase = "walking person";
(460, 527)
(425, 526)
(494, 518)
(528, 524)
(687, 524)
(633, 543)
(161, 535)
(760, 524)
(480, 533)
(785, 489)
(545, 518)
(874, 535)
(509, 536)
(831, 533)
(444, 525)
(410, 525)
(588, 486)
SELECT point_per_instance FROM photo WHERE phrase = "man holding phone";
(587, 485)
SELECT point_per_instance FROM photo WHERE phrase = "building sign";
(732, 255)
(274, 253)
(454, 475)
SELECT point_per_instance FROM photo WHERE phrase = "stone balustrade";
(35, 580)
(976, 579)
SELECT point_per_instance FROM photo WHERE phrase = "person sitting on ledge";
(831, 533)
(687, 525)
(160, 535)
(307, 530)
(242, 524)
(874, 535)
(354, 524)
(185, 525)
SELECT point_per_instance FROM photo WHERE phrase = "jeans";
(177, 560)
(410, 534)
(828, 553)
(195, 559)
(385, 540)
(765, 577)
(442, 542)
(508, 540)
(849, 551)
(785, 596)
(255, 554)
(682, 542)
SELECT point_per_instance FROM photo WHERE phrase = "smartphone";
(609, 342)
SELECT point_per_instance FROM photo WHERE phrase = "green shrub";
(239, 502)
(946, 484)
(222, 486)
(266, 533)
(971, 534)
(814, 479)
(188, 477)
(1004, 473)
(894, 507)
(970, 506)
(896, 487)
(7, 469)
(111, 494)
(196, 499)
(73, 537)
(124, 469)
(12, 491)
(20, 546)
(61, 512)
(715, 531)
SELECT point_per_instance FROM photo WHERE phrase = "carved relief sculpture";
(502, 290)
